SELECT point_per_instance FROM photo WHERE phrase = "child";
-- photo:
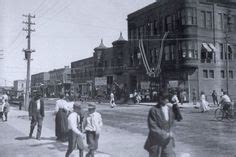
(6, 109)
(92, 125)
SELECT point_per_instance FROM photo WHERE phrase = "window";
(167, 53)
(205, 74)
(231, 74)
(208, 20)
(221, 48)
(211, 74)
(189, 49)
(230, 53)
(220, 21)
(188, 16)
(222, 74)
(169, 23)
(155, 28)
(151, 29)
(203, 19)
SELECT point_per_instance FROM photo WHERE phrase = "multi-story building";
(19, 87)
(59, 81)
(200, 49)
(198, 53)
(82, 74)
(39, 82)
(105, 71)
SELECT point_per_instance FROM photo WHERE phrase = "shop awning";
(213, 47)
(205, 45)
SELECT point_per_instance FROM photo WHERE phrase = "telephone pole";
(28, 52)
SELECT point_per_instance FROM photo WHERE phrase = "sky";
(66, 31)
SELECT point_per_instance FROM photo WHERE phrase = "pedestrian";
(203, 103)
(92, 127)
(6, 109)
(175, 107)
(75, 135)
(194, 94)
(138, 98)
(214, 98)
(2, 104)
(160, 141)
(36, 114)
(135, 97)
(112, 100)
(226, 104)
(61, 122)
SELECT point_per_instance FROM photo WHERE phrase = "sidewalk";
(14, 140)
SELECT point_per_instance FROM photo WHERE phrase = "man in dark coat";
(160, 141)
(36, 114)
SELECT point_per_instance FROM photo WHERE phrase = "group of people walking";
(72, 123)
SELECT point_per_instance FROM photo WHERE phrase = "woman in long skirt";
(61, 122)
(203, 103)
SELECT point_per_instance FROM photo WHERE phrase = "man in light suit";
(36, 114)
(160, 141)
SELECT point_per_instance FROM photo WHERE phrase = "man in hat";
(160, 141)
(92, 126)
(75, 135)
(36, 114)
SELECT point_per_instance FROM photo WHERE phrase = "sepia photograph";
(117, 78)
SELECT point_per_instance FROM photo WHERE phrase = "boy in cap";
(92, 126)
(75, 135)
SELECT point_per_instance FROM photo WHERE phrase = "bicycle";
(221, 114)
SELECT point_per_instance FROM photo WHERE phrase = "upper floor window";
(205, 74)
(206, 19)
(189, 16)
(169, 23)
(188, 49)
(211, 74)
(222, 74)
(231, 74)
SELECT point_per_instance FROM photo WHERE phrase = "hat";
(164, 94)
(77, 105)
(91, 106)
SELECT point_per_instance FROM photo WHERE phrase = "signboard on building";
(145, 84)
(173, 84)
(100, 81)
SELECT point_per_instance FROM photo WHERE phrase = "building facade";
(19, 87)
(59, 81)
(39, 82)
(199, 52)
(189, 45)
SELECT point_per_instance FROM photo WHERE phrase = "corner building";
(200, 49)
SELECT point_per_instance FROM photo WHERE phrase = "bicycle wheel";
(219, 114)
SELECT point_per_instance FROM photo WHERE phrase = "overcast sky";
(66, 31)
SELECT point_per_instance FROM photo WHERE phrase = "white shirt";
(165, 111)
(225, 98)
(38, 104)
(93, 122)
(73, 120)
(60, 104)
(175, 99)
(112, 96)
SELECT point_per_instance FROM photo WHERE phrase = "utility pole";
(28, 52)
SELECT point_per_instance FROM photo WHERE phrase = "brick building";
(59, 81)
(195, 51)
(199, 51)
(39, 82)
